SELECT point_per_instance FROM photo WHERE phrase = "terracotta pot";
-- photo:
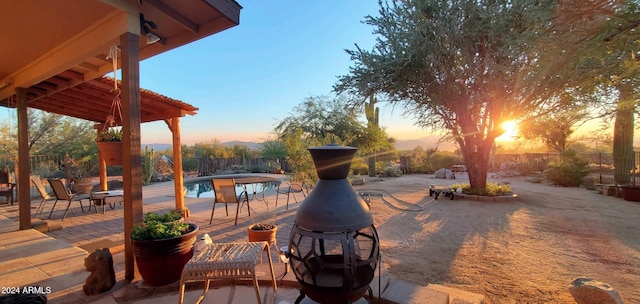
(630, 193)
(83, 186)
(111, 152)
(262, 235)
(160, 262)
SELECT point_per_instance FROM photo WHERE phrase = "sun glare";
(511, 130)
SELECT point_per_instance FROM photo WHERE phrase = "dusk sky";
(246, 79)
(249, 77)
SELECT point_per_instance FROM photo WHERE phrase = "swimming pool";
(204, 189)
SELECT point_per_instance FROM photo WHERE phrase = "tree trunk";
(623, 158)
(476, 154)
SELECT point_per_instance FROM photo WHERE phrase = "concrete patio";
(52, 256)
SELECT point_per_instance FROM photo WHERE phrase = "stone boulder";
(590, 291)
(444, 173)
(102, 277)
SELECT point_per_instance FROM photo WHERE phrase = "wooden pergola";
(54, 56)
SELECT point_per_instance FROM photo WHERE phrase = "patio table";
(219, 261)
(103, 198)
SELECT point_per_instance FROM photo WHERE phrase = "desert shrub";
(442, 159)
(189, 164)
(569, 170)
(391, 170)
(492, 189)
(359, 167)
(526, 168)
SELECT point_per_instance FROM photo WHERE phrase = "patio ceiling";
(92, 101)
(57, 50)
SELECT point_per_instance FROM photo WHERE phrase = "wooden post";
(102, 167)
(24, 195)
(131, 154)
(174, 125)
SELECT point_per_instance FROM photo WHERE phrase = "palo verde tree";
(465, 66)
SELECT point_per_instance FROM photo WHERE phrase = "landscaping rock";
(102, 277)
(590, 291)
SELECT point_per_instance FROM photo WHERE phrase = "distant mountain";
(157, 147)
(424, 142)
(251, 145)
(403, 144)
(163, 147)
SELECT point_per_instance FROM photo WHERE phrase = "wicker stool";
(225, 261)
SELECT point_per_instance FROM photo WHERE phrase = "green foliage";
(299, 158)
(391, 170)
(162, 217)
(51, 134)
(274, 149)
(359, 167)
(189, 164)
(441, 159)
(555, 129)
(463, 66)
(320, 120)
(492, 189)
(213, 149)
(147, 166)
(111, 134)
(160, 226)
(569, 171)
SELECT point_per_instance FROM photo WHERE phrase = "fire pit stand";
(333, 245)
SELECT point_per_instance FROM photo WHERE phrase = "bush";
(160, 226)
(569, 171)
(359, 167)
(391, 171)
(492, 189)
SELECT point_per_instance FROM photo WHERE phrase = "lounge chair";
(6, 187)
(225, 192)
(46, 196)
(64, 194)
(290, 188)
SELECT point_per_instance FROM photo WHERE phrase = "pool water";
(204, 189)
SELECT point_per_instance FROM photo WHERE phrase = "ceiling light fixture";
(147, 26)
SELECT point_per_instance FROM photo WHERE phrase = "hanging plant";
(111, 134)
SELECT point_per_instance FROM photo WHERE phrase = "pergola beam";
(95, 39)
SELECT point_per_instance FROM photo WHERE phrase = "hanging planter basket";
(111, 152)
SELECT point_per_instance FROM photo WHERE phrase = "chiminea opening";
(333, 245)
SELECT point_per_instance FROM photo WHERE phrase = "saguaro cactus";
(372, 114)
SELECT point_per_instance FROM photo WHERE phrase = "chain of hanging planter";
(116, 104)
(110, 137)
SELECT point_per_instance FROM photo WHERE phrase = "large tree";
(51, 134)
(465, 66)
(322, 120)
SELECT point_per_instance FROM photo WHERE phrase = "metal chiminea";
(333, 245)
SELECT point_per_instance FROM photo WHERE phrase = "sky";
(248, 78)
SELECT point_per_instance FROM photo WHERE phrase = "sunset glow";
(511, 131)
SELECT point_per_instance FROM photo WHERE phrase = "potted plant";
(110, 145)
(262, 232)
(631, 191)
(162, 246)
(264, 228)
(76, 169)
